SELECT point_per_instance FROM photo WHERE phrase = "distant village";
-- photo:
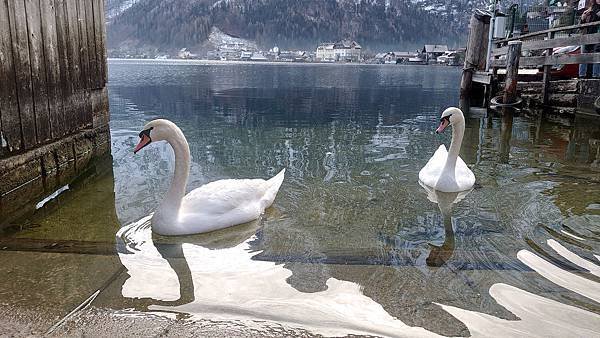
(343, 51)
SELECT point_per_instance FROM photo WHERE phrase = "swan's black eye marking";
(442, 119)
(146, 132)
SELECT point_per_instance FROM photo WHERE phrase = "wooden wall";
(52, 68)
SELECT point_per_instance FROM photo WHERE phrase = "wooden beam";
(51, 53)
(562, 59)
(9, 120)
(482, 77)
(38, 70)
(22, 65)
(74, 60)
(103, 46)
(545, 32)
(84, 116)
(97, 43)
(83, 45)
(547, 74)
(576, 40)
(64, 52)
(91, 40)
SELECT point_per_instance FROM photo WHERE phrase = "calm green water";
(352, 244)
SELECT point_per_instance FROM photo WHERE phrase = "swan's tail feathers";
(273, 185)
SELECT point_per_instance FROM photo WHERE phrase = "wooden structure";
(512, 71)
(541, 44)
(53, 97)
(475, 53)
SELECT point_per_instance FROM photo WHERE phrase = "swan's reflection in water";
(214, 277)
(439, 255)
(227, 284)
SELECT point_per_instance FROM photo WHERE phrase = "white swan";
(446, 171)
(213, 206)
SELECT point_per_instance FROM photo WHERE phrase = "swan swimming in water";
(446, 171)
(214, 206)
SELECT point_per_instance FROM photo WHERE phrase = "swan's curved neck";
(169, 208)
(458, 131)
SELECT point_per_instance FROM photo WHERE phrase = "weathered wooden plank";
(84, 117)
(22, 65)
(552, 30)
(64, 53)
(482, 77)
(10, 126)
(575, 40)
(38, 70)
(561, 59)
(98, 43)
(547, 74)
(559, 86)
(103, 45)
(91, 40)
(73, 38)
(51, 53)
(83, 45)
(75, 63)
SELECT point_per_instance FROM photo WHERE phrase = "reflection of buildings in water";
(388, 142)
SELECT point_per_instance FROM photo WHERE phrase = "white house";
(342, 51)
(185, 54)
(431, 52)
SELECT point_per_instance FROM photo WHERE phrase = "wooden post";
(512, 71)
(546, 78)
(476, 47)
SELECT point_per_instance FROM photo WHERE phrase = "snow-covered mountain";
(375, 24)
(115, 7)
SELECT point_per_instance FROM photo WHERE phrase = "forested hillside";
(376, 24)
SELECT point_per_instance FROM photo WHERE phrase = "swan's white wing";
(464, 176)
(432, 170)
(223, 196)
(222, 204)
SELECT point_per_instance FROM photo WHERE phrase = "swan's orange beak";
(144, 141)
(443, 124)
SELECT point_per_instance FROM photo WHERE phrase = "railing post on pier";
(476, 51)
(546, 78)
(512, 71)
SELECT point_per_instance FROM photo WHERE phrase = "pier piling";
(476, 51)
(512, 72)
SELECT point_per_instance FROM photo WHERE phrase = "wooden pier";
(53, 96)
(530, 79)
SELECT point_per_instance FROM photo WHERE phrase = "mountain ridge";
(376, 24)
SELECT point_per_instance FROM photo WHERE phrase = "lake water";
(353, 244)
